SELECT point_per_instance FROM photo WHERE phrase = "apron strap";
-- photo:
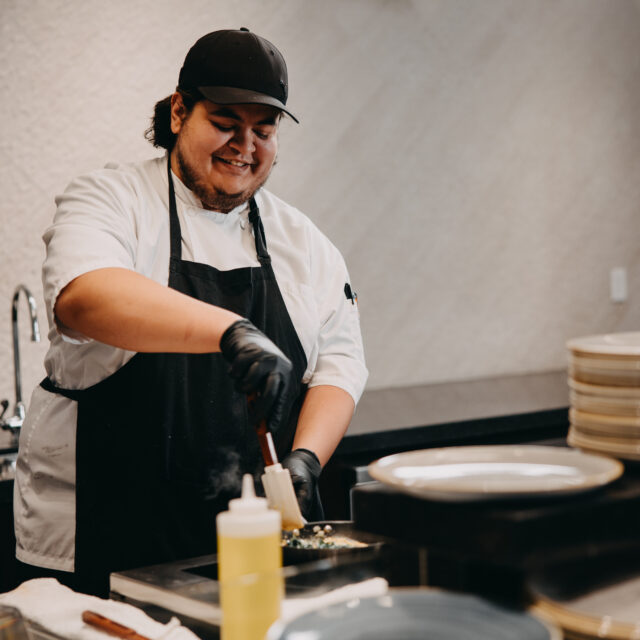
(258, 233)
(174, 222)
(72, 394)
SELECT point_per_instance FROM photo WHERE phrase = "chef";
(175, 287)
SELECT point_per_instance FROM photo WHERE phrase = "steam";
(225, 479)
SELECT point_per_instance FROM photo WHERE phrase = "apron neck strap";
(258, 233)
(174, 222)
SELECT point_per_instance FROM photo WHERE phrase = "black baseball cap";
(236, 66)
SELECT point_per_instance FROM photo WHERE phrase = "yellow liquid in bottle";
(249, 605)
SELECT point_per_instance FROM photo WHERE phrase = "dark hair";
(159, 134)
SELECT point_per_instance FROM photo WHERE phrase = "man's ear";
(178, 113)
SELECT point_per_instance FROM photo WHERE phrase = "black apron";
(162, 444)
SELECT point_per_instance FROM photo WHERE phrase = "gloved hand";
(257, 366)
(305, 469)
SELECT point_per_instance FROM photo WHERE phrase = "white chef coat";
(119, 217)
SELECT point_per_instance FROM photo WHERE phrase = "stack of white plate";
(604, 382)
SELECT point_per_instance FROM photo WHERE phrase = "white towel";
(59, 610)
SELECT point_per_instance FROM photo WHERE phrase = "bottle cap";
(248, 516)
(248, 502)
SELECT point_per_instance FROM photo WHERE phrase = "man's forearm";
(127, 310)
(324, 418)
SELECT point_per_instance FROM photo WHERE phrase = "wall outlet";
(618, 288)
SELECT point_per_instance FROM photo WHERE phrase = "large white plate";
(489, 472)
(608, 344)
(416, 614)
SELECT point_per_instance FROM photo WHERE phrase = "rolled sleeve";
(93, 228)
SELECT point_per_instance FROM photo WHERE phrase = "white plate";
(489, 472)
(602, 390)
(416, 614)
(609, 364)
(605, 423)
(609, 344)
(605, 446)
(605, 405)
(603, 377)
(613, 439)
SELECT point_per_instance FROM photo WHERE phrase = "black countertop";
(448, 402)
(510, 409)
(501, 410)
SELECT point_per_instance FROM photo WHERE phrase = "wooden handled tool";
(265, 439)
(276, 480)
(110, 626)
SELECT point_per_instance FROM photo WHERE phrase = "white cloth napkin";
(295, 607)
(59, 610)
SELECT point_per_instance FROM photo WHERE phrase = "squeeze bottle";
(249, 566)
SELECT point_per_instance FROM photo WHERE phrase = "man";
(174, 288)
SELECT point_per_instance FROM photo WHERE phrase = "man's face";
(223, 153)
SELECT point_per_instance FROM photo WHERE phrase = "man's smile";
(233, 163)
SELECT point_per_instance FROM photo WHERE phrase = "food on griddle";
(320, 538)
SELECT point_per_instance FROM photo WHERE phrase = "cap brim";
(233, 95)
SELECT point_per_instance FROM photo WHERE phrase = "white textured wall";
(477, 161)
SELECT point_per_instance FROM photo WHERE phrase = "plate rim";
(598, 479)
(602, 390)
(596, 445)
(589, 344)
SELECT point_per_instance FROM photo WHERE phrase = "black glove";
(305, 469)
(257, 366)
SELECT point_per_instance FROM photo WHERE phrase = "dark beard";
(211, 198)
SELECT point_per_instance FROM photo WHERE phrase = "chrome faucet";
(14, 423)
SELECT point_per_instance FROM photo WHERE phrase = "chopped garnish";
(318, 540)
